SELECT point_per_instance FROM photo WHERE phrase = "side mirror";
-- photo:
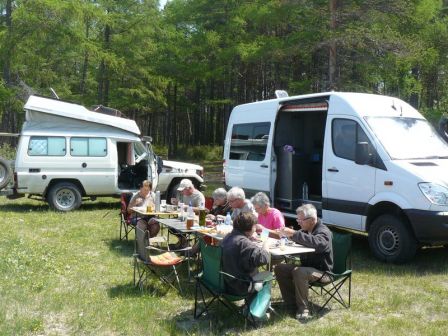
(362, 155)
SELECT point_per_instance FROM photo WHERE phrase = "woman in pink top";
(269, 218)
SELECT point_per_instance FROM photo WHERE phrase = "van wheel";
(5, 173)
(64, 196)
(391, 241)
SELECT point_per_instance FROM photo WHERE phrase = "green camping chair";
(342, 244)
(211, 281)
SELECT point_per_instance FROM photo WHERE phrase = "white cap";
(185, 183)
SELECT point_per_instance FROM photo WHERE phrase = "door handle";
(333, 170)
(264, 166)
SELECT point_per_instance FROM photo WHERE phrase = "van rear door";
(248, 147)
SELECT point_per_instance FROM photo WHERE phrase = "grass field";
(68, 274)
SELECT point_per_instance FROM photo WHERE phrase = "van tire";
(64, 196)
(5, 173)
(391, 240)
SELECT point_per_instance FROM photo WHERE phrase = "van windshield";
(408, 138)
(139, 151)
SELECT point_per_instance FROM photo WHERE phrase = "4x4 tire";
(391, 240)
(5, 173)
(64, 196)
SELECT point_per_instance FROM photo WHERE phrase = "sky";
(162, 3)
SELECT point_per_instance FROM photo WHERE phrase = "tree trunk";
(332, 48)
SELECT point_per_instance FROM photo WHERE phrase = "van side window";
(346, 134)
(249, 141)
(88, 147)
(46, 146)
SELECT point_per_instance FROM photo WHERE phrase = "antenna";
(53, 92)
(393, 105)
(281, 93)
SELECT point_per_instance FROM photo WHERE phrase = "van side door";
(347, 186)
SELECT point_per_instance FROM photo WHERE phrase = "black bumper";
(430, 227)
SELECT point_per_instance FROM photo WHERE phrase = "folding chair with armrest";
(152, 259)
(126, 225)
(342, 243)
(211, 279)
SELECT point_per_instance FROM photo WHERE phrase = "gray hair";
(308, 210)
(236, 193)
(260, 199)
(220, 194)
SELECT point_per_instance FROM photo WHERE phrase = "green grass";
(67, 274)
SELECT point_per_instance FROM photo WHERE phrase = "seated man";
(143, 198)
(292, 279)
(189, 195)
(241, 256)
(238, 202)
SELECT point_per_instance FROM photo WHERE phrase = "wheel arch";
(386, 207)
(76, 182)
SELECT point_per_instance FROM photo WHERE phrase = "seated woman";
(220, 204)
(242, 256)
(269, 218)
(143, 198)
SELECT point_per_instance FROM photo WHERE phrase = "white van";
(369, 163)
(67, 152)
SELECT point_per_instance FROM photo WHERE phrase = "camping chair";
(342, 243)
(212, 280)
(150, 258)
(126, 225)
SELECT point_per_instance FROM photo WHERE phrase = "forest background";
(179, 70)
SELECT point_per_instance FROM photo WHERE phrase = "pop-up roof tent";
(54, 116)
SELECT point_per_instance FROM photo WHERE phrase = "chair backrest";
(209, 202)
(124, 201)
(342, 245)
(211, 266)
(141, 242)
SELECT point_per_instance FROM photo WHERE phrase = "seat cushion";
(166, 259)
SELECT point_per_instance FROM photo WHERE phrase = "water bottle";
(304, 191)
(228, 219)
(157, 201)
(202, 215)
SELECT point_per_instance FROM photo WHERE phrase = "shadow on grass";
(28, 207)
(426, 260)
(43, 207)
(120, 247)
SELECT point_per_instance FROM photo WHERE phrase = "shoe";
(303, 316)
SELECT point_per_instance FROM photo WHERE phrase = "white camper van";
(67, 152)
(369, 163)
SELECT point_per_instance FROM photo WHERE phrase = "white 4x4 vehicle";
(173, 172)
(67, 152)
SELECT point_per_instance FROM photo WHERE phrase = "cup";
(282, 244)
(169, 208)
(190, 222)
(162, 202)
(149, 208)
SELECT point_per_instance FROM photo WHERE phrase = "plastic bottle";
(304, 191)
(157, 205)
(228, 219)
(202, 215)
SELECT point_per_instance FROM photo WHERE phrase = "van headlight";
(435, 193)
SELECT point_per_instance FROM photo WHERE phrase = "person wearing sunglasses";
(293, 280)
